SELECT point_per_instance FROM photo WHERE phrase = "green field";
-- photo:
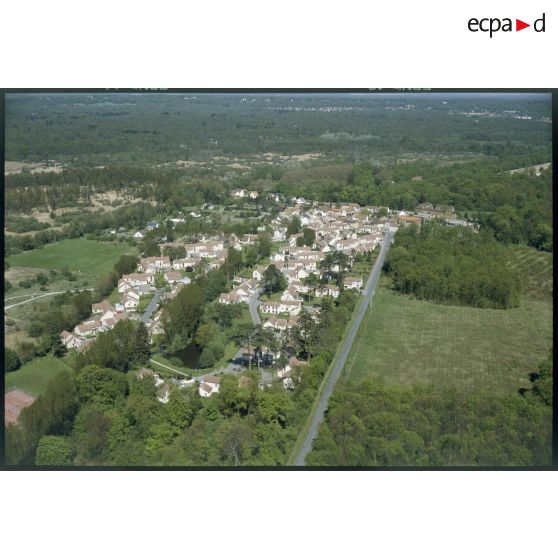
(34, 376)
(405, 341)
(77, 254)
(534, 269)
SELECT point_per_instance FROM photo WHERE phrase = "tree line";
(371, 424)
(452, 266)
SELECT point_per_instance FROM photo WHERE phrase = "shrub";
(11, 360)
(53, 451)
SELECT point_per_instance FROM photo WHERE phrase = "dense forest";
(452, 266)
(371, 424)
(157, 128)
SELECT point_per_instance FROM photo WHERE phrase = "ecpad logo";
(493, 25)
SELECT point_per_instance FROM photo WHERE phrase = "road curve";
(253, 305)
(338, 365)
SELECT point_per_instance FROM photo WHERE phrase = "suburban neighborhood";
(277, 279)
(344, 228)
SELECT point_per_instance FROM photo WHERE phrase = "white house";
(102, 308)
(271, 307)
(154, 263)
(209, 386)
(286, 371)
(228, 298)
(290, 294)
(352, 283)
(163, 393)
(328, 290)
(184, 263)
(131, 300)
(89, 328)
(172, 277)
(137, 279)
(292, 307)
(70, 341)
(138, 234)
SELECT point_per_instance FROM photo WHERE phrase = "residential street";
(254, 303)
(151, 307)
(368, 293)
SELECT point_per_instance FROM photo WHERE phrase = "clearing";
(77, 254)
(405, 341)
(34, 376)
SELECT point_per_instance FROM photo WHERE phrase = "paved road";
(368, 293)
(253, 305)
(151, 307)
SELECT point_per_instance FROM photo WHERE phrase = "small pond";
(190, 356)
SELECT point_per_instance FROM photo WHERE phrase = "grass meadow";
(404, 341)
(34, 376)
(90, 257)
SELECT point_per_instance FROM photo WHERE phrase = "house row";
(154, 263)
(280, 324)
(242, 193)
(71, 341)
(135, 280)
(284, 306)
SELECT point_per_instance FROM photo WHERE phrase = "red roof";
(14, 402)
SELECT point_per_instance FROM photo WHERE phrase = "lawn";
(34, 376)
(405, 341)
(77, 254)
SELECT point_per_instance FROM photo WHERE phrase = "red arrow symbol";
(519, 25)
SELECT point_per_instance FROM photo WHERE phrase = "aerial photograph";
(278, 279)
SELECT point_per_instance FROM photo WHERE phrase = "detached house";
(409, 220)
(102, 308)
(131, 300)
(228, 298)
(87, 329)
(290, 294)
(352, 283)
(154, 263)
(209, 386)
(70, 341)
(292, 307)
(172, 277)
(185, 263)
(328, 290)
(135, 280)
